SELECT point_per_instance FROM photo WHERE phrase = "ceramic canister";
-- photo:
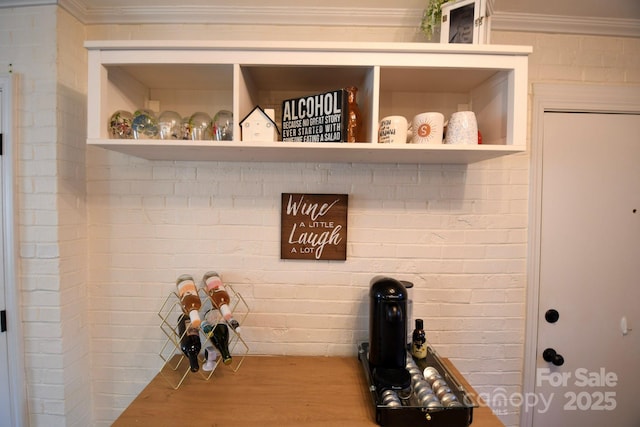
(462, 128)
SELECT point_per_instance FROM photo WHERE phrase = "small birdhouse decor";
(259, 126)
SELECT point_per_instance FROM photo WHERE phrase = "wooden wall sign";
(314, 226)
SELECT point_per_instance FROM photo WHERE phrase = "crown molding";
(247, 15)
(25, 3)
(326, 16)
(536, 23)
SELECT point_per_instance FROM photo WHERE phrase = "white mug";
(462, 128)
(427, 128)
(393, 130)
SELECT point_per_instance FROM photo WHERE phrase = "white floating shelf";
(305, 151)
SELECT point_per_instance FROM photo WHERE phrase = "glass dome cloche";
(200, 124)
(170, 125)
(121, 125)
(145, 124)
(223, 126)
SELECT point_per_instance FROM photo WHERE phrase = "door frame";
(552, 97)
(17, 375)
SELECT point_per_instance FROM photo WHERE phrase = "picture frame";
(465, 22)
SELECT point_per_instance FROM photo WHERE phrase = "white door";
(589, 272)
(5, 401)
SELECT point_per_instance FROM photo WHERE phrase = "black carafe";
(388, 333)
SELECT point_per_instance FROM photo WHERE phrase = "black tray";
(412, 413)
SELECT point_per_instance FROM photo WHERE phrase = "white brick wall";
(449, 229)
(459, 233)
(52, 230)
(28, 42)
(72, 234)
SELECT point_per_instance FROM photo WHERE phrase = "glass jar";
(223, 126)
(169, 124)
(120, 125)
(200, 126)
(145, 124)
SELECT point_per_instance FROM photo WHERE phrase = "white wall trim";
(549, 97)
(534, 23)
(327, 16)
(17, 373)
(247, 15)
(331, 16)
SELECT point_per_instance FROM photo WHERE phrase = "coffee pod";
(387, 393)
(414, 370)
(430, 370)
(448, 398)
(390, 398)
(423, 393)
(433, 404)
(422, 388)
(416, 377)
(438, 383)
(431, 374)
(442, 391)
(428, 398)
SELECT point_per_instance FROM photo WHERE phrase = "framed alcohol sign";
(314, 226)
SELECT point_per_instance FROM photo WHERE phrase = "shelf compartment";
(184, 88)
(269, 85)
(408, 91)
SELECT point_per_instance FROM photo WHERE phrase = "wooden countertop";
(270, 391)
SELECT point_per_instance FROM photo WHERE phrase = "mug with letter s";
(393, 130)
(427, 128)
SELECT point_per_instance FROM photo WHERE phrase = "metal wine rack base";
(175, 368)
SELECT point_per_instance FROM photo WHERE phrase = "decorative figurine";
(258, 125)
(354, 122)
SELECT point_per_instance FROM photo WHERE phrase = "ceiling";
(603, 17)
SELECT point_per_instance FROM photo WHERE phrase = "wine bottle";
(220, 298)
(419, 341)
(189, 299)
(210, 356)
(220, 339)
(354, 121)
(189, 341)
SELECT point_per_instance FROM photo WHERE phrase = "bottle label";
(419, 350)
(213, 283)
(187, 287)
(219, 297)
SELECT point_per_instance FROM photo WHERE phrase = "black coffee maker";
(388, 333)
